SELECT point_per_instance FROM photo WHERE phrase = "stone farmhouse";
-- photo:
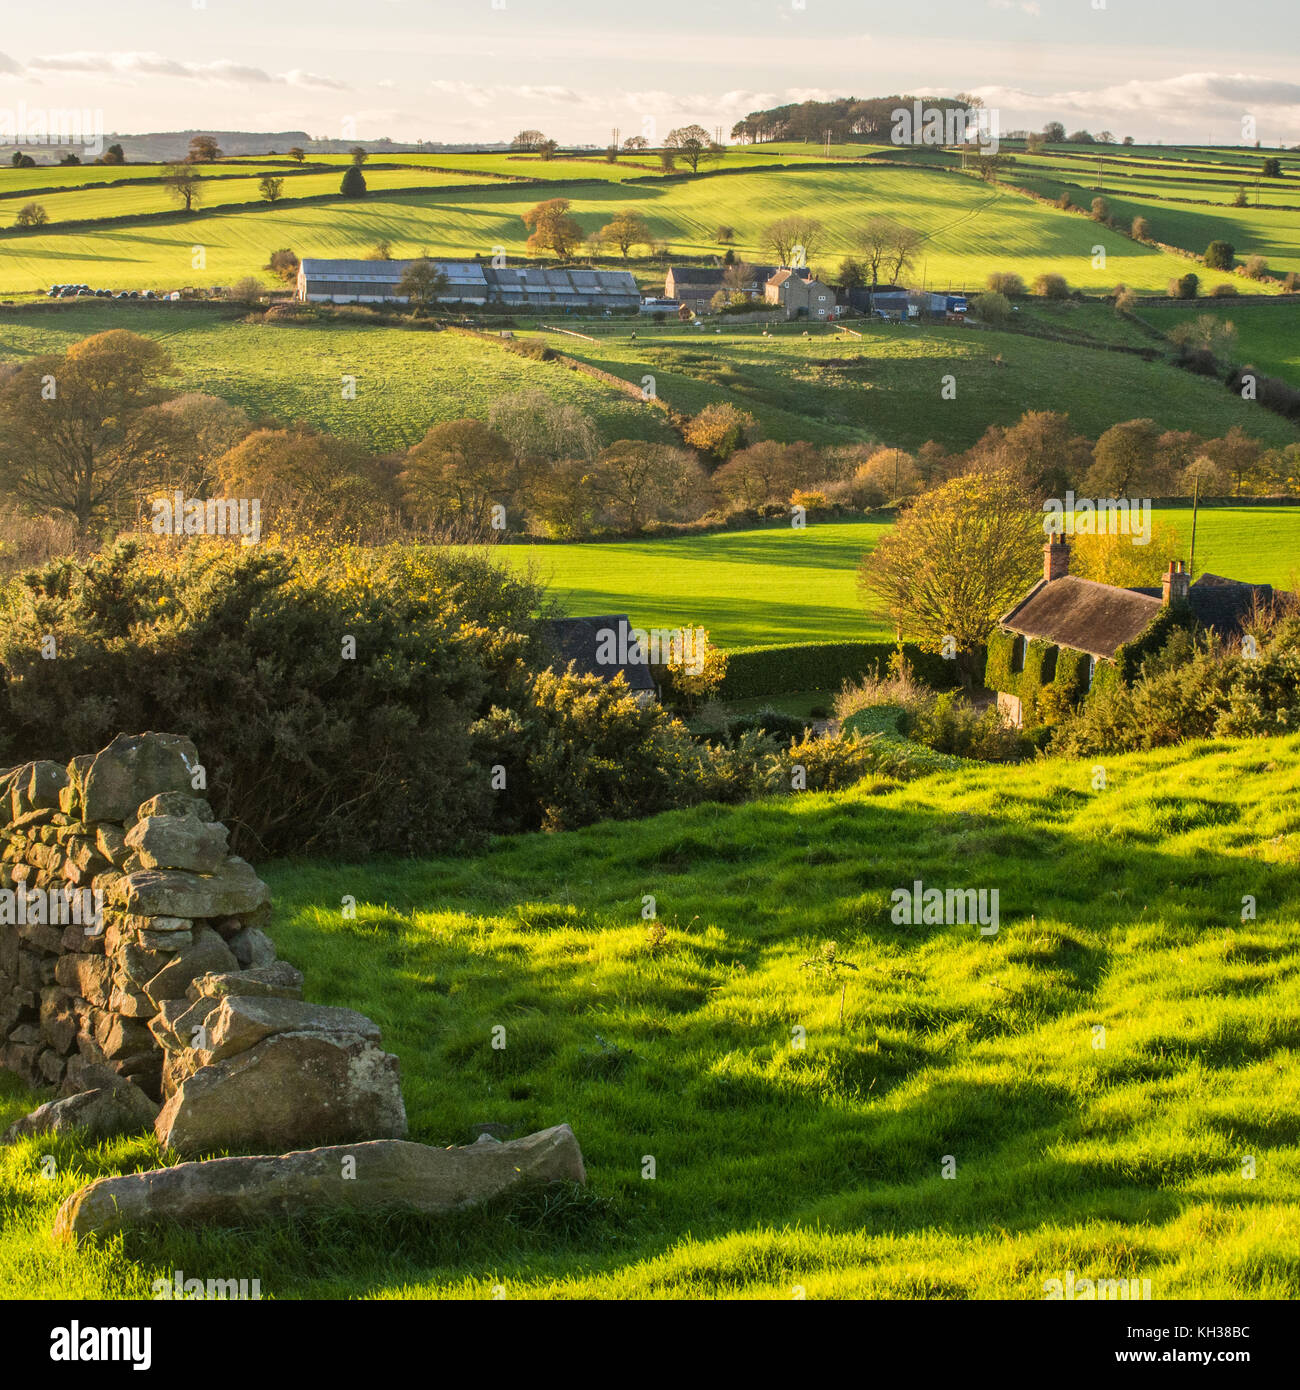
(695, 285)
(471, 282)
(1073, 634)
(800, 295)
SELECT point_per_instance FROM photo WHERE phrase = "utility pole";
(1196, 494)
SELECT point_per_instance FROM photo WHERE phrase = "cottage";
(1069, 633)
(605, 646)
(800, 295)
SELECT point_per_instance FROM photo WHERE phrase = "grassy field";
(1268, 335)
(406, 381)
(779, 586)
(970, 229)
(1119, 1153)
(832, 386)
(827, 388)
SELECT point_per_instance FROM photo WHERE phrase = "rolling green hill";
(970, 229)
(1095, 1074)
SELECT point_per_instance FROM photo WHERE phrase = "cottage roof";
(1082, 614)
(578, 640)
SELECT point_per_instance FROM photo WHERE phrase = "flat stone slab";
(389, 1173)
(233, 890)
(120, 1108)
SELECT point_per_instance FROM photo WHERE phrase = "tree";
(542, 431)
(31, 215)
(1110, 557)
(298, 154)
(359, 155)
(1220, 255)
(991, 307)
(629, 228)
(1185, 286)
(283, 264)
(184, 185)
(636, 142)
(792, 239)
(354, 182)
(901, 251)
(724, 235)
(527, 141)
(757, 476)
(382, 250)
(180, 440)
(1256, 268)
(641, 482)
(70, 159)
(875, 240)
(720, 429)
(1080, 137)
(1100, 210)
(1054, 133)
(1272, 169)
(307, 483)
(203, 150)
(552, 229)
(1006, 282)
(270, 187)
(548, 149)
(667, 161)
(67, 424)
(694, 144)
(850, 275)
(891, 472)
(247, 290)
(1052, 286)
(114, 155)
(958, 558)
(1141, 229)
(458, 472)
(422, 284)
(1040, 448)
(1123, 460)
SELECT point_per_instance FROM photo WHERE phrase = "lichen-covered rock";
(244, 1020)
(206, 954)
(120, 1108)
(232, 890)
(133, 768)
(179, 842)
(278, 980)
(389, 1174)
(292, 1088)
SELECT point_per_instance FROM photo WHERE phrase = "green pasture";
(1268, 335)
(1110, 1081)
(970, 229)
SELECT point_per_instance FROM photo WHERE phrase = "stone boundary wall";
(135, 971)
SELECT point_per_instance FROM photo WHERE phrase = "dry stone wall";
(134, 964)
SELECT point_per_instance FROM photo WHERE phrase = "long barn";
(471, 282)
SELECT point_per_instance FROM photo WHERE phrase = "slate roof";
(577, 640)
(458, 273)
(1226, 605)
(1082, 614)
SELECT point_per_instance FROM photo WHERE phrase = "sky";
(468, 70)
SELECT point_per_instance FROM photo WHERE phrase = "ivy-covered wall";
(1065, 671)
(1046, 665)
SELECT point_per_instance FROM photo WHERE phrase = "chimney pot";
(1056, 558)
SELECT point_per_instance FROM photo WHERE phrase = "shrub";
(1223, 292)
(1100, 210)
(1125, 300)
(1052, 286)
(991, 307)
(1185, 286)
(1256, 268)
(1063, 201)
(330, 692)
(354, 182)
(1291, 281)
(31, 215)
(1141, 230)
(950, 724)
(1006, 282)
(760, 672)
(1220, 255)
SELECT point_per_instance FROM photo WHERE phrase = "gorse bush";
(330, 693)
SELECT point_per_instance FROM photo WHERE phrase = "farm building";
(695, 285)
(800, 295)
(1069, 632)
(471, 282)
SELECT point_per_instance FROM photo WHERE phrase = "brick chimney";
(1056, 558)
(1177, 583)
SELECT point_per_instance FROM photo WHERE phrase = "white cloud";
(1189, 96)
(137, 64)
